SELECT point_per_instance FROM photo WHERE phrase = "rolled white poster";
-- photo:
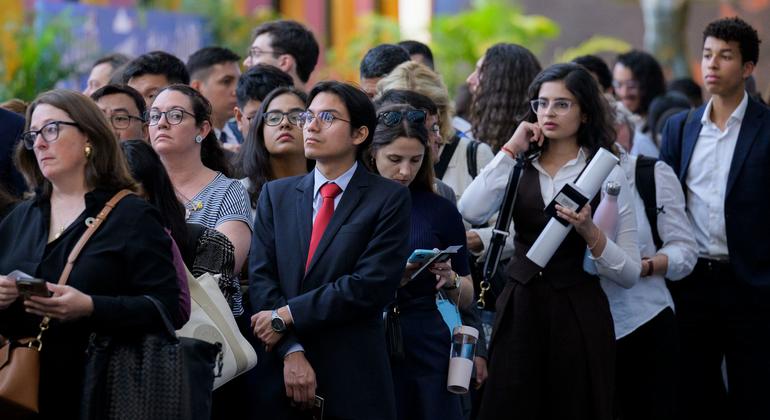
(589, 183)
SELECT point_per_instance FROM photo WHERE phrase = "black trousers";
(646, 370)
(721, 317)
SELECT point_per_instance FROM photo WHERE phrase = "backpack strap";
(470, 156)
(645, 184)
(446, 155)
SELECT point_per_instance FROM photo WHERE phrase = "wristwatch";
(453, 284)
(277, 323)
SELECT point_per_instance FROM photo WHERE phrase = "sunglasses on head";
(392, 118)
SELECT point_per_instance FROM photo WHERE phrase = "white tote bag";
(211, 320)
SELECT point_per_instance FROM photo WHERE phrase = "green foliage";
(461, 39)
(36, 64)
(371, 30)
(595, 45)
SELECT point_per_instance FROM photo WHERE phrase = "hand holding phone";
(420, 256)
(28, 285)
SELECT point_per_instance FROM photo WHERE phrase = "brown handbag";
(20, 359)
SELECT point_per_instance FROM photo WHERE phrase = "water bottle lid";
(466, 330)
(612, 188)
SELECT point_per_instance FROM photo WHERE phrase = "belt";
(713, 265)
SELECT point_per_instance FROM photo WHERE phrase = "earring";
(87, 151)
(198, 139)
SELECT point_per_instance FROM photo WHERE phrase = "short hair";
(384, 135)
(200, 62)
(115, 60)
(417, 77)
(405, 97)
(597, 66)
(256, 82)
(736, 29)
(647, 71)
(293, 38)
(417, 47)
(662, 108)
(382, 59)
(212, 154)
(107, 90)
(689, 88)
(157, 62)
(106, 167)
(358, 105)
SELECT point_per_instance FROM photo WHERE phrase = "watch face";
(277, 324)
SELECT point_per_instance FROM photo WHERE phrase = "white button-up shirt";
(707, 181)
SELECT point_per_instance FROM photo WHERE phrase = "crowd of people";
(308, 200)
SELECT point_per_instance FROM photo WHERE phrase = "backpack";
(645, 184)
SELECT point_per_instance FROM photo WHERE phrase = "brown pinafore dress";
(552, 352)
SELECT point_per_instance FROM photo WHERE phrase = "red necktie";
(329, 191)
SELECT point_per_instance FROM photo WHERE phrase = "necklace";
(190, 206)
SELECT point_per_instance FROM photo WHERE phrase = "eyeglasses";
(273, 118)
(123, 120)
(435, 128)
(629, 84)
(173, 116)
(255, 52)
(325, 118)
(392, 118)
(559, 106)
(50, 133)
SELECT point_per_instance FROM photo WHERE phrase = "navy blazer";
(11, 126)
(337, 305)
(747, 197)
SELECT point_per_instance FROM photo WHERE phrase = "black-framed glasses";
(392, 118)
(273, 118)
(173, 116)
(123, 120)
(559, 106)
(255, 52)
(49, 132)
(325, 118)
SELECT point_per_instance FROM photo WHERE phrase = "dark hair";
(200, 62)
(737, 30)
(256, 82)
(689, 88)
(115, 60)
(406, 97)
(212, 154)
(500, 103)
(157, 62)
(598, 129)
(293, 38)
(105, 169)
(148, 170)
(597, 66)
(384, 135)
(254, 157)
(662, 108)
(417, 47)
(358, 105)
(107, 90)
(647, 71)
(382, 59)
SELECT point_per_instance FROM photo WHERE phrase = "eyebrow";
(719, 51)
(554, 99)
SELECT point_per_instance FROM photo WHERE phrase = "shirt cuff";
(293, 349)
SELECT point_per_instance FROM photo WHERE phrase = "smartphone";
(318, 408)
(28, 285)
(420, 256)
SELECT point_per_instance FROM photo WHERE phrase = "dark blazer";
(747, 197)
(11, 126)
(337, 305)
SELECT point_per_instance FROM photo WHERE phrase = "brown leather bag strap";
(93, 224)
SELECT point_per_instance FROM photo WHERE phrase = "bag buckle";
(37, 342)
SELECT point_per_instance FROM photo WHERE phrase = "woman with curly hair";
(499, 88)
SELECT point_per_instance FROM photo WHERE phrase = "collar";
(736, 116)
(581, 157)
(342, 181)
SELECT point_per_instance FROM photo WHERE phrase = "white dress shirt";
(632, 308)
(619, 262)
(342, 181)
(707, 181)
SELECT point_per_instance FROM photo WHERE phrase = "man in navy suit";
(327, 255)
(11, 126)
(721, 152)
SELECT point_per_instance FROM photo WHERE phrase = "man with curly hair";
(721, 152)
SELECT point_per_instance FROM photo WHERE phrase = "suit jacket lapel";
(749, 129)
(304, 226)
(689, 138)
(347, 204)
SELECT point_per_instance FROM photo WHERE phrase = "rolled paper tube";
(589, 183)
